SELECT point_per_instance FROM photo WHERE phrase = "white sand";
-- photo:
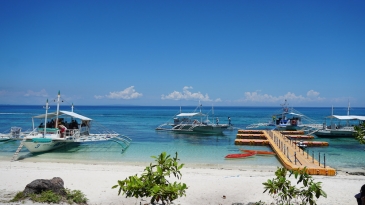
(206, 185)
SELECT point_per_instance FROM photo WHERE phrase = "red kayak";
(243, 155)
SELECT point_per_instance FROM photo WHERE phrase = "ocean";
(139, 123)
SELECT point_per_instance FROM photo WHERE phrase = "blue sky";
(223, 53)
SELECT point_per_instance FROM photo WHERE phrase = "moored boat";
(14, 134)
(340, 125)
(288, 119)
(62, 127)
(195, 122)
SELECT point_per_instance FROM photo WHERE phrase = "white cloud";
(42, 93)
(98, 96)
(312, 93)
(257, 97)
(218, 100)
(126, 94)
(186, 95)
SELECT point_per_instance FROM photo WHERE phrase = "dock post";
(312, 156)
(307, 154)
(295, 157)
(319, 158)
(287, 153)
(284, 149)
(324, 160)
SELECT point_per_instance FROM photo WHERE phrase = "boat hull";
(200, 129)
(335, 133)
(35, 146)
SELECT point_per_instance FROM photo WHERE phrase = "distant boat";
(301, 144)
(287, 120)
(195, 122)
(14, 134)
(340, 125)
(64, 127)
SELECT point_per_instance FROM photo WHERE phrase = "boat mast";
(348, 109)
(331, 117)
(58, 107)
(45, 119)
(348, 113)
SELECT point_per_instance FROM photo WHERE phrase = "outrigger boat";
(195, 122)
(14, 134)
(57, 133)
(288, 120)
(341, 125)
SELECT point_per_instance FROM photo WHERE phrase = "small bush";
(283, 192)
(18, 197)
(76, 196)
(72, 196)
(153, 182)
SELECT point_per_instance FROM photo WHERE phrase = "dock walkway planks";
(289, 154)
(293, 158)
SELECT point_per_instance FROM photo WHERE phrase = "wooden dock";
(289, 154)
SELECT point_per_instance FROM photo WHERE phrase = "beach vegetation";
(283, 192)
(72, 196)
(360, 133)
(153, 182)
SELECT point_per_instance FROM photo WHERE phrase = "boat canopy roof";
(347, 117)
(60, 113)
(190, 114)
(290, 113)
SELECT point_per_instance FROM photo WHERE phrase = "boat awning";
(190, 114)
(290, 113)
(347, 117)
(60, 113)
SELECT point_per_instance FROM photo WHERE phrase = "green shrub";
(18, 197)
(75, 196)
(153, 182)
(283, 192)
(71, 197)
(360, 133)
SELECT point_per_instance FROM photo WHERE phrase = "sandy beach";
(207, 184)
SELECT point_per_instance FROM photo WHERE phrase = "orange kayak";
(242, 155)
(257, 151)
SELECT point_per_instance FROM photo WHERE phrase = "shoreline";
(207, 183)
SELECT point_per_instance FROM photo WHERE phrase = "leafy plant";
(153, 182)
(283, 192)
(18, 197)
(46, 197)
(360, 133)
(72, 196)
(75, 196)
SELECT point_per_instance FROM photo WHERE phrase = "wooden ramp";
(294, 158)
(289, 154)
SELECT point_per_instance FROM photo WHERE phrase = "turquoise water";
(139, 123)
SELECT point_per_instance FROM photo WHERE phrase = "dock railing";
(293, 157)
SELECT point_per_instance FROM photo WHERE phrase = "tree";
(360, 133)
(283, 192)
(153, 182)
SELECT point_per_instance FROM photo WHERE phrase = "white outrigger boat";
(288, 119)
(57, 133)
(193, 122)
(14, 134)
(341, 125)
